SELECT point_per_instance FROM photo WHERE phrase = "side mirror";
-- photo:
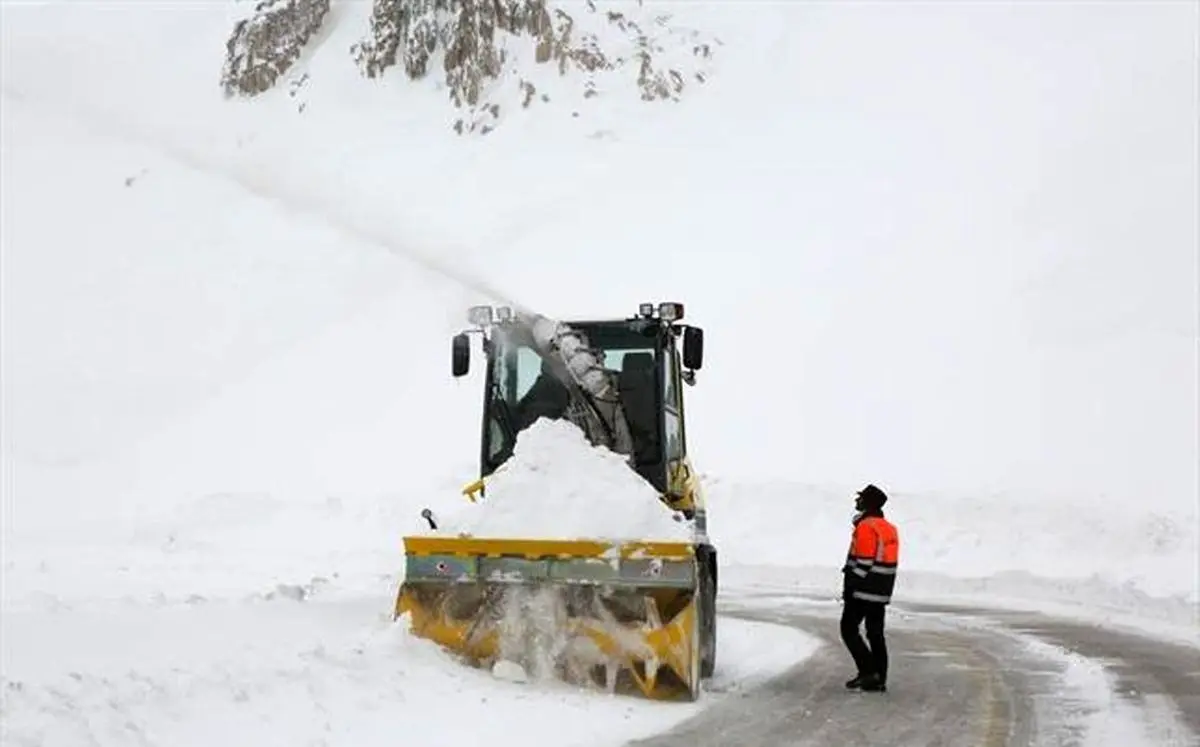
(461, 354)
(693, 348)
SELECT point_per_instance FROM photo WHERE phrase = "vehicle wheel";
(708, 623)
(697, 660)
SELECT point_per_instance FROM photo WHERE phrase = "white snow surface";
(326, 669)
(559, 486)
(991, 537)
(946, 248)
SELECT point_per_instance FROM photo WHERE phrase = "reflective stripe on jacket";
(872, 560)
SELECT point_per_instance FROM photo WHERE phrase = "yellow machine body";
(621, 617)
(635, 617)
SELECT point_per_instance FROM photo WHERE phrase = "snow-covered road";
(246, 617)
(962, 675)
(312, 665)
(322, 664)
(318, 664)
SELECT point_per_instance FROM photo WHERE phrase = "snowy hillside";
(1020, 273)
(946, 249)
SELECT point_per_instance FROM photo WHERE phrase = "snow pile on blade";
(557, 485)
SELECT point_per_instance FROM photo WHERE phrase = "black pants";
(868, 660)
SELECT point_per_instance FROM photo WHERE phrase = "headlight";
(671, 311)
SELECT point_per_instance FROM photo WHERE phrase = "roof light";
(671, 311)
(504, 313)
(480, 315)
(646, 310)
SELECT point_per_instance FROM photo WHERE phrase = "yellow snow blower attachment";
(623, 617)
(637, 617)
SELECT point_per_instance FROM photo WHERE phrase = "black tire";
(708, 612)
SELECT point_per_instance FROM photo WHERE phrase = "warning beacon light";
(480, 316)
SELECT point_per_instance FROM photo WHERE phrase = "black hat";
(873, 496)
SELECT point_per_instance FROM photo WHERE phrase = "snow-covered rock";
(493, 57)
(265, 45)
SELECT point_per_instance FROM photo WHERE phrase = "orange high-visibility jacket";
(871, 563)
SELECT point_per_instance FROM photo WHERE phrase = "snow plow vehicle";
(634, 616)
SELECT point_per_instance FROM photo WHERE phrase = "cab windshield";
(522, 389)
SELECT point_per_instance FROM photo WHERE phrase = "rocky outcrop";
(489, 54)
(464, 31)
(263, 47)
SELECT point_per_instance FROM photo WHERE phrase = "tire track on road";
(1159, 677)
(957, 692)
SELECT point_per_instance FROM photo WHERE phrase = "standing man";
(869, 577)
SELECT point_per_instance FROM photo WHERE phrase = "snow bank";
(557, 485)
(1116, 564)
(332, 668)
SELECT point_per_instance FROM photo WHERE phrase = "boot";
(872, 683)
(855, 683)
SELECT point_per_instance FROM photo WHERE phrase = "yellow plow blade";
(618, 616)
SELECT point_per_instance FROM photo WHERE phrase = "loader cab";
(651, 356)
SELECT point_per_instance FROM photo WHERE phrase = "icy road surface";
(962, 676)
